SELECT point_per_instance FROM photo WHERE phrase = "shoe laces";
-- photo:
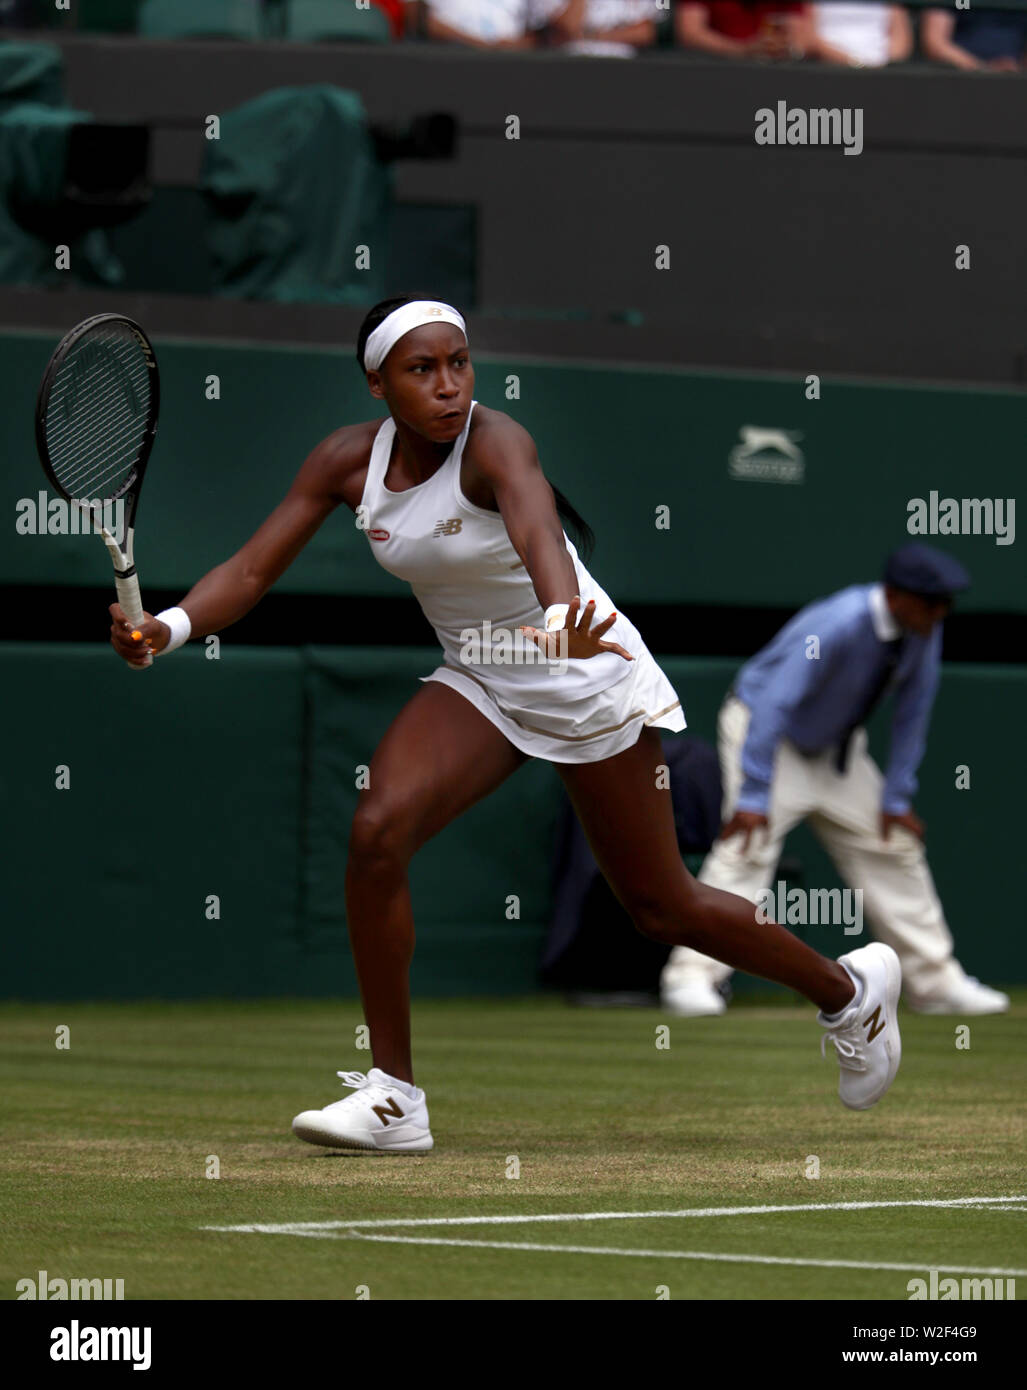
(357, 1079)
(849, 1045)
(365, 1090)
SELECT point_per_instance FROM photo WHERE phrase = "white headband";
(404, 320)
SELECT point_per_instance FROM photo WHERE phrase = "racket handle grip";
(132, 606)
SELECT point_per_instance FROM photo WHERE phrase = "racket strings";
(95, 449)
(98, 414)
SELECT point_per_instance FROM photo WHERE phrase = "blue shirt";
(813, 692)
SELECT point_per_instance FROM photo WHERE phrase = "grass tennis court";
(107, 1143)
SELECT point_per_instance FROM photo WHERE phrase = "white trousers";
(843, 810)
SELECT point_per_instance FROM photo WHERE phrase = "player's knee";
(658, 928)
(680, 918)
(665, 918)
(379, 838)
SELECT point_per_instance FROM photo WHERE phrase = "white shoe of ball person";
(865, 1033)
(966, 996)
(379, 1115)
(693, 998)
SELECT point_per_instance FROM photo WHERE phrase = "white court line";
(296, 1228)
(672, 1254)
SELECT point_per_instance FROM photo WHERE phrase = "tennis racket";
(96, 417)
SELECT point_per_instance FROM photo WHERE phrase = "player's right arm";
(227, 593)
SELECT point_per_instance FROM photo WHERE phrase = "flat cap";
(920, 569)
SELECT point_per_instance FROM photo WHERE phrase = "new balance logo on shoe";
(384, 1111)
(875, 1023)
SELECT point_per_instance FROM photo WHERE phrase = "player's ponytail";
(584, 536)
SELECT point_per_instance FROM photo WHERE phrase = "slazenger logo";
(767, 455)
(378, 535)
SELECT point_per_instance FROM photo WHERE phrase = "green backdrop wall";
(619, 442)
(237, 778)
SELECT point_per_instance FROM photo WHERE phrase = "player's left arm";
(910, 721)
(504, 454)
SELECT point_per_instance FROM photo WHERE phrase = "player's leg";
(688, 985)
(898, 892)
(630, 825)
(438, 757)
(629, 821)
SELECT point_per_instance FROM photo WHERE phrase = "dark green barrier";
(236, 778)
(620, 443)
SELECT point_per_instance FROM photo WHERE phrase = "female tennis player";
(537, 663)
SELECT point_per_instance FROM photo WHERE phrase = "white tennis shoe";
(967, 996)
(378, 1115)
(693, 998)
(866, 1034)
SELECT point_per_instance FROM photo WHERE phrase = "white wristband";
(177, 620)
(555, 615)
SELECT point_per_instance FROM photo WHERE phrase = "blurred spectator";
(732, 28)
(975, 38)
(612, 27)
(396, 12)
(863, 35)
(482, 23)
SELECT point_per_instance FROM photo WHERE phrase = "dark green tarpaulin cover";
(33, 156)
(31, 72)
(294, 188)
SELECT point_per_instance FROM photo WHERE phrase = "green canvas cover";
(33, 151)
(294, 190)
(31, 72)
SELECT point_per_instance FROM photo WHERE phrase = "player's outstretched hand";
(582, 639)
(153, 636)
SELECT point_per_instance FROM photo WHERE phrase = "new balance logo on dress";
(447, 528)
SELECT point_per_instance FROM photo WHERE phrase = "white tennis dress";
(475, 591)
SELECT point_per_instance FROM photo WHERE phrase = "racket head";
(96, 412)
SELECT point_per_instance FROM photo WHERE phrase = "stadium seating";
(313, 21)
(181, 19)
